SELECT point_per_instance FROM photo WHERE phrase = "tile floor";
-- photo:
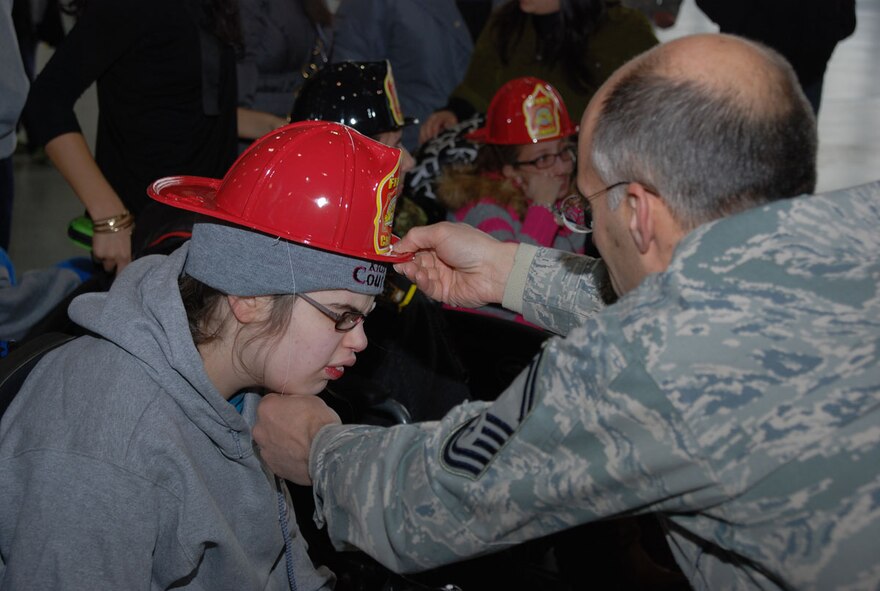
(849, 134)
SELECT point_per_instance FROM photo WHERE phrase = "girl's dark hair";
(201, 304)
(563, 43)
(220, 17)
(494, 157)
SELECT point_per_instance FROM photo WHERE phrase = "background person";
(525, 165)
(286, 42)
(729, 389)
(126, 459)
(165, 75)
(804, 32)
(574, 45)
(426, 41)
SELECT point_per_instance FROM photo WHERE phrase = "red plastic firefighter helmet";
(525, 111)
(314, 182)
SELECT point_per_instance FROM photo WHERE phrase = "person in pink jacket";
(523, 168)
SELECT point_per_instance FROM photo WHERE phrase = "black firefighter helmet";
(361, 95)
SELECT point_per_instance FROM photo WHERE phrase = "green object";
(80, 231)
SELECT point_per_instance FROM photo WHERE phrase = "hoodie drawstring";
(285, 531)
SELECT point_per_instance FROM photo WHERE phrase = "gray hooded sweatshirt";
(122, 467)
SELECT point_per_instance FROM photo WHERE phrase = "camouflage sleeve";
(565, 444)
(554, 289)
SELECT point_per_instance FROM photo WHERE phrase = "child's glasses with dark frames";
(344, 321)
(548, 160)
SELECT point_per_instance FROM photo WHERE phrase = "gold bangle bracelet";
(113, 219)
(114, 229)
(113, 224)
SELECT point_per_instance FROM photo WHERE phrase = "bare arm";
(255, 124)
(71, 156)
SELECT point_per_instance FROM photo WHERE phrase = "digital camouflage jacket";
(737, 395)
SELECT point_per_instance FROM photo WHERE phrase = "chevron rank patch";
(471, 448)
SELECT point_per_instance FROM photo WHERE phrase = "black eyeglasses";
(576, 212)
(548, 160)
(345, 321)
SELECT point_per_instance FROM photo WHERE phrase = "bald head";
(708, 56)
(714, 123)
(727, 65)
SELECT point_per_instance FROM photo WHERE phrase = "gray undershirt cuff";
(516, 281)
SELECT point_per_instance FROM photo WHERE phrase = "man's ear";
(247, 309)
(641, 206)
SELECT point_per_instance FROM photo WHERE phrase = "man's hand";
(457, 264)
(284, 431)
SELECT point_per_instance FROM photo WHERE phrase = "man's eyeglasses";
(345, 321)
(547, 160)
(576, 212)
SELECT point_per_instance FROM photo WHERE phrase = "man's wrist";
(517, 277)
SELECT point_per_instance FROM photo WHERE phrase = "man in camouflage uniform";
(734, 389)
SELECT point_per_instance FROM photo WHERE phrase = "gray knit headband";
(245, 262)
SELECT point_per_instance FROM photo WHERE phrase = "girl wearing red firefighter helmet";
(126, 459)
